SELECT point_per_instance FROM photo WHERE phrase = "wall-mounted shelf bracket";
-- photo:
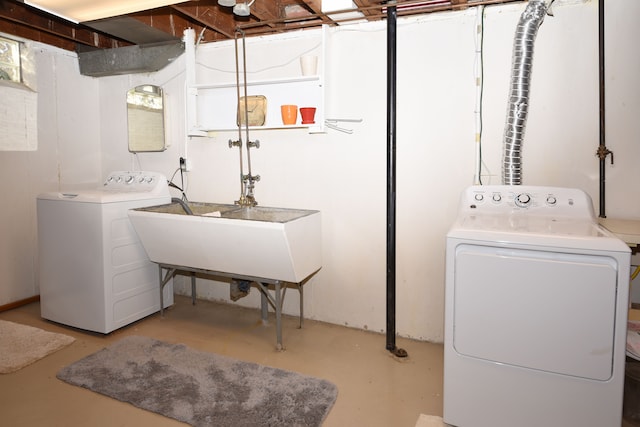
(333, 124)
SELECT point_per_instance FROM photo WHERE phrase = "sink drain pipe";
(391, 181)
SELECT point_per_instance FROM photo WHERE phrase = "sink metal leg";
(275, 300)
(278, 289)
(163, 282)
(301, 304)
(276, 303)
(193, 288)
(161, 291)
(264, 305)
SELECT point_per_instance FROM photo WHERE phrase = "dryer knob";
(129, 179)
(551, 200)
(497, 197)
(479, 197)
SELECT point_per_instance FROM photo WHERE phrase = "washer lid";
(101, 196)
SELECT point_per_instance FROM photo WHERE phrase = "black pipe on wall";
(603, 152)
(391, 182)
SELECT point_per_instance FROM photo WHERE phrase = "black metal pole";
(603, 152)
(391, 182)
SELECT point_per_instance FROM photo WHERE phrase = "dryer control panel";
(545, 201)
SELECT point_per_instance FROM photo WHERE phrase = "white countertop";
(626, 229)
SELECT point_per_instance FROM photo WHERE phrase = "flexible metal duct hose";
(518, 107)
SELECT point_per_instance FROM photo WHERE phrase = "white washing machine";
(94, 272)
(535, 311)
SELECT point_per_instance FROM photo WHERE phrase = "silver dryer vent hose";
(526, 32)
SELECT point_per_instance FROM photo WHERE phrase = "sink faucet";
(247, 199)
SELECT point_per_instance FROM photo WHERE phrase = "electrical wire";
(294, 57)
(182, 189)
(479, 76)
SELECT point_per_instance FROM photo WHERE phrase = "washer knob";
(551, 200)
(497, 197)
(523, 199)
(129, 179)
(479, 197)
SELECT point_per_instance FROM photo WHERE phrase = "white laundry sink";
(262, 242)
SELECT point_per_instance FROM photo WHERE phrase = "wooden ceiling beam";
(23, 21)
(267, 16)
(366, 6)
(209, 15)
(459, 4)
(316, 8)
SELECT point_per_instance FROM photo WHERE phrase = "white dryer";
(94, 272)
(535, 311)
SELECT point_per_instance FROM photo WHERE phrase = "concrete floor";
(374, 388)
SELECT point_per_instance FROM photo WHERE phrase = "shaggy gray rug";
(202, 389)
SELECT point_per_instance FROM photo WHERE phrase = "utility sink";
(262, 242)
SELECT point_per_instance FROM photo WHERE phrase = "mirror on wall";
(145, 119)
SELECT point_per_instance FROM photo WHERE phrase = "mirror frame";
(145, 119)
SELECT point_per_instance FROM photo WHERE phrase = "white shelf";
(212, 107)
(283, 81)
(206, 131)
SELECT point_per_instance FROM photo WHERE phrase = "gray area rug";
(202, 389)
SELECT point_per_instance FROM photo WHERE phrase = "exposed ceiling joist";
(213, 18)
(24, 21)
(210, 21)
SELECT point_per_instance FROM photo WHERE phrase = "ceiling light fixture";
(343, 10)
(243, 9)
(83, 11)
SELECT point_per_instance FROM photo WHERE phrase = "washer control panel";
(135, 181)
(555, 201)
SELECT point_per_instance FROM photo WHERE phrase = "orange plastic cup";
(289, 114)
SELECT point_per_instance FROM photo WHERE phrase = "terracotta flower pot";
(308, 115)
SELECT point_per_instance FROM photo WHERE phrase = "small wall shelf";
(212, 107)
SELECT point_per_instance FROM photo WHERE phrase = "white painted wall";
(344, 176)
(67, 156)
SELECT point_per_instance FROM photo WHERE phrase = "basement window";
(10, 60)
(19, 106)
